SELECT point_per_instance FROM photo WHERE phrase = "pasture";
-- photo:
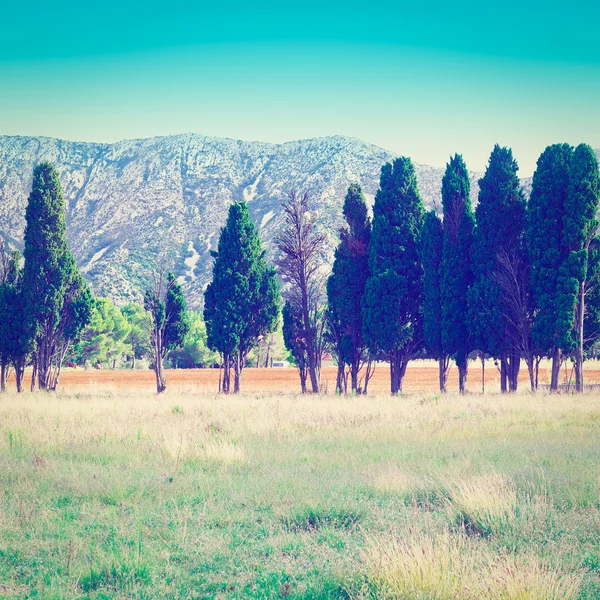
(109, 491)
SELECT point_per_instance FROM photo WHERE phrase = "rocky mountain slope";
(138, 203)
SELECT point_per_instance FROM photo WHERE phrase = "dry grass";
(447, 567)
(117, 493)
(486, 503)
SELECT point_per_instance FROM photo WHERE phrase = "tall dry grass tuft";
(422, 566)
(486, 504)
(527, 579)
(452, 566)
(223, 452)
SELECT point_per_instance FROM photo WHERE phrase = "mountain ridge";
(134, 204)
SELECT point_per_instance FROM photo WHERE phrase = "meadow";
(113, 492)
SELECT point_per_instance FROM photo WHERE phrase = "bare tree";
(301, 265)
(168, 321)
(512, 274)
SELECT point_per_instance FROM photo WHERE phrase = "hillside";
(136, 203)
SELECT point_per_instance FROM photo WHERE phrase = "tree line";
(514, 280)
(48, 315)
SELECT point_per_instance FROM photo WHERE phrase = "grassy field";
(115, 493)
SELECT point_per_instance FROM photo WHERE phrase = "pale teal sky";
(425, 82)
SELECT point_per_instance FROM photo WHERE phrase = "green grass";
(125, 495)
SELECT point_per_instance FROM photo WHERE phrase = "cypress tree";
(456, 270)
(546, 217)
(242, 301)
(579, 228)
(392, 305)
(58, 302)
(499, 233)
(13, 341)
(346, 284)
(432, 240)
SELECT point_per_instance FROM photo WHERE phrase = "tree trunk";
(462, 376)
(556, 362)
(3, 365)
(394, 372)
(514, 366)
(339, 380)
(443, 362)
(503, 374)
(226, 383)
(303, 380)
(354, 368)
(133, 360)
(529, 360)
(482, 357)
(19, 373)
(368, 374)
(161, 384)
(238, 365)
(579, 349)
(33, 372)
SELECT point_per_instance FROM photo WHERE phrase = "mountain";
(138, 203)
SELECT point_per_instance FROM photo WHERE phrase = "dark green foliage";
(13, 338)
(500, 231)
(58, 302)
(392, 305)
(104, 338)
(591, 326)
(169, 322)
(346, 284)
(579, 225)
(432, 240)
(295, 342)
(138, 340)
(177, 323)
(242, 301)
(456, 268)
(546, 212)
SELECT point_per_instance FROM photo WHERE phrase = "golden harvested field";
(421, 376)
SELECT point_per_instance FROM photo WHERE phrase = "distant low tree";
(431, 245)
(167, 308)
(104, 338)
(546, 218)
(138, 339)
(194, 351)
(392, 303)
(58, 302)
(346, 287)
(241, 303)
(456, 268)
(302, 249)
(575, 275)
(295, 342)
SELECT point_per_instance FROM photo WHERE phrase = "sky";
(423, 80)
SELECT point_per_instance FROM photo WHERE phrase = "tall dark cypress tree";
(346, 284)
(392, 304)
(242, 301)
(456, 268)
(499, 234)
(58, 301)
(546, 214)
(575, 274)
(432, 241)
